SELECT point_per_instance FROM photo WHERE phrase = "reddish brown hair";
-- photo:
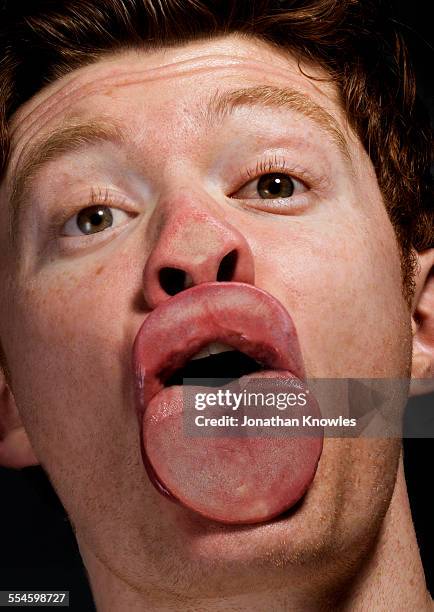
(355, 41)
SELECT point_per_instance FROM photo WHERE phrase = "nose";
(194, 246)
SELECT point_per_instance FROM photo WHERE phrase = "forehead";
(164, 82)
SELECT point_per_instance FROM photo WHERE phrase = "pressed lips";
(228, 479)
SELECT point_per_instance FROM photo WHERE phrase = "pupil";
(272, 185)
(94, 219)
(275, 186)
(97, 218)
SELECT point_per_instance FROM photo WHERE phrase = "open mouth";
(212, 334)
(205, 321)
(228, 364)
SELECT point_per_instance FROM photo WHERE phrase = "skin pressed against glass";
(134, 186)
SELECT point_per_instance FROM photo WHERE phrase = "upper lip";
(240, 315)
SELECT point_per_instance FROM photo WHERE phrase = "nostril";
(226, 271)
(173, 280)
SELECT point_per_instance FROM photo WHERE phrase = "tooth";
(212, 349)
(202, 353)
(219, 347)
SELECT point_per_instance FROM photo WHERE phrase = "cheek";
(341, 282)
(70, 345)
(70, 355)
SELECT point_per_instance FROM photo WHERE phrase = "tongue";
(229, 479)
(233, 479)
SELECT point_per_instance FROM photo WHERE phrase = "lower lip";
(230, 480)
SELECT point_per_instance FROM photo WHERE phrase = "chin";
(331, 523)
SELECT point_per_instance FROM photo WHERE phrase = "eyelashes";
(264, 166)
(278, 163)
(273, 180)
(65, 222)
(97, 217)
(271, 184)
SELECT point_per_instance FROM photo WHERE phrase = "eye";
(94, 219)
(272, 186)
(275, 186)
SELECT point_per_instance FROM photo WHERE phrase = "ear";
(422, 323)
(15, 448)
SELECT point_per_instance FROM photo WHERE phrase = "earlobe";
(422, 372)
(15, 448)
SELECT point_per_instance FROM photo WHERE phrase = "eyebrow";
(73, 136)
(66, 139)
(224, 104)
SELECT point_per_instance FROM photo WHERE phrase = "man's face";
(176, 180)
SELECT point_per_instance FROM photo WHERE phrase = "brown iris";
(94, 219)
(275, 186)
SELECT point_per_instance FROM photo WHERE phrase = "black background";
(37, 547)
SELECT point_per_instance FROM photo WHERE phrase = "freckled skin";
(68, 338)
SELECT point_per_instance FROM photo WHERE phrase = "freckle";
(99, 270)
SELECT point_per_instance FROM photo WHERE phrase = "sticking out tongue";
(231, 478)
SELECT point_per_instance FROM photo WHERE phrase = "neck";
(391, 578)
